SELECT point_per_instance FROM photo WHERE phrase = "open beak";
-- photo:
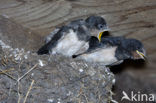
(141, 55)
(101, 33)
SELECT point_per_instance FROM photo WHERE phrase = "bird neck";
(122, 54)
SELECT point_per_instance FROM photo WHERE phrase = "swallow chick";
(66, 41)
(94, 24)
(69, 39)
(113, 50)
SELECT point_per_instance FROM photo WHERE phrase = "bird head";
(97, 23)
(139, 54)
(136, 49)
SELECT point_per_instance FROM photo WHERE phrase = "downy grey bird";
(71, 38)
(112, 50)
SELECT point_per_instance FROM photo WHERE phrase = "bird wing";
(54, 40)
(113, 41)
(50, 36)
(90, 50)
(73, 24)
(116, 63)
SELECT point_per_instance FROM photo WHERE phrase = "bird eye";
(100, 26)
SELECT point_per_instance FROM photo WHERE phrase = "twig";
(18, 85)
(27, 72)
(28, 91)
(114, 101)
(19, 95)
(8, 75)
(10, 87)
(3, 62)
(82, 94)
(4, 71)
(85, 97)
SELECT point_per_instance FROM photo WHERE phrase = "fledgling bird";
(71, 38)
(112, 50)
(94, 24)
(67, 41)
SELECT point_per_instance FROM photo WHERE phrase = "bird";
(66, 41)
(69, 39)
(95, 24)
(112, 50)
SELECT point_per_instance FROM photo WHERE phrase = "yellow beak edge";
(99, 36)
(141, 55)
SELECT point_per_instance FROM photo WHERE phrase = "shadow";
(135, 64)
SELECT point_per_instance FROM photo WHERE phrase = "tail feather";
(74, 56)
(43, 50)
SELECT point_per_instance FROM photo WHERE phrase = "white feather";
(105, 56)
(69, 44)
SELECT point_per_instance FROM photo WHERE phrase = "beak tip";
(142, 55)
